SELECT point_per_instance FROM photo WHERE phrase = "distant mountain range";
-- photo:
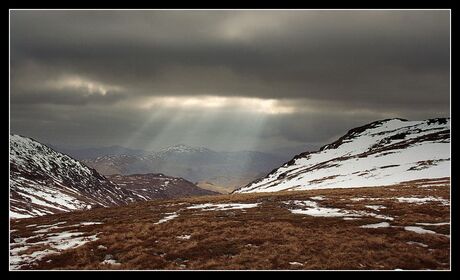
(380, 153)
(43, 181)
(197, 164)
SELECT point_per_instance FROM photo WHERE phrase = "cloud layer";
(269, 78)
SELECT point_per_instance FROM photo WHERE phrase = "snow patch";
(433, 224)
(422, 200)
(375, 207)
(90, 223)
(364, 198)
(184, 237)
(417, 243)
(223, 206)
(57, 241)
(47, 226)
(419, 230)
(110, 262)
(378, 225)
(312, 208)
(169, 217)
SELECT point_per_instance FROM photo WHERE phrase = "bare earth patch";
(360, 228)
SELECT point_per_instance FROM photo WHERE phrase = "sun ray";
(139, 133)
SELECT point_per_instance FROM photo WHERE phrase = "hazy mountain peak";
(182, 148)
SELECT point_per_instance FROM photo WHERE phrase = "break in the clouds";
(222, 79)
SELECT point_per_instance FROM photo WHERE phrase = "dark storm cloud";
(68, 97)
(361, 65)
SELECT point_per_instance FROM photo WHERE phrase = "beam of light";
(200, 122)
(246, 118)
(190, 119)
(172, 127)
(246, 137)
(141, 130)
(168, 125)
(242, 132)
(157, 112)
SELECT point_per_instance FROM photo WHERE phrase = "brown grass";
(265, 237)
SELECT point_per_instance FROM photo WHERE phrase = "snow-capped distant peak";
(181, 148)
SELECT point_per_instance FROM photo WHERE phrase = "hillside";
(158, 186)
(43, 181)
(404, 226)
(380, 153)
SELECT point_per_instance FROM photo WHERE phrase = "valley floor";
(404, 226)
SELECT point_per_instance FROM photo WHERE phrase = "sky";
(225, 80)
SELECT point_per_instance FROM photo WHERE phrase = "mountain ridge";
(397, 130)
(44, 181)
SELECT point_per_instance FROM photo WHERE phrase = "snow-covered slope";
(380, 153)
(43, 181)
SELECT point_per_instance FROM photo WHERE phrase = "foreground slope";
(380, 153)
(43, 181)
(404, 226)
